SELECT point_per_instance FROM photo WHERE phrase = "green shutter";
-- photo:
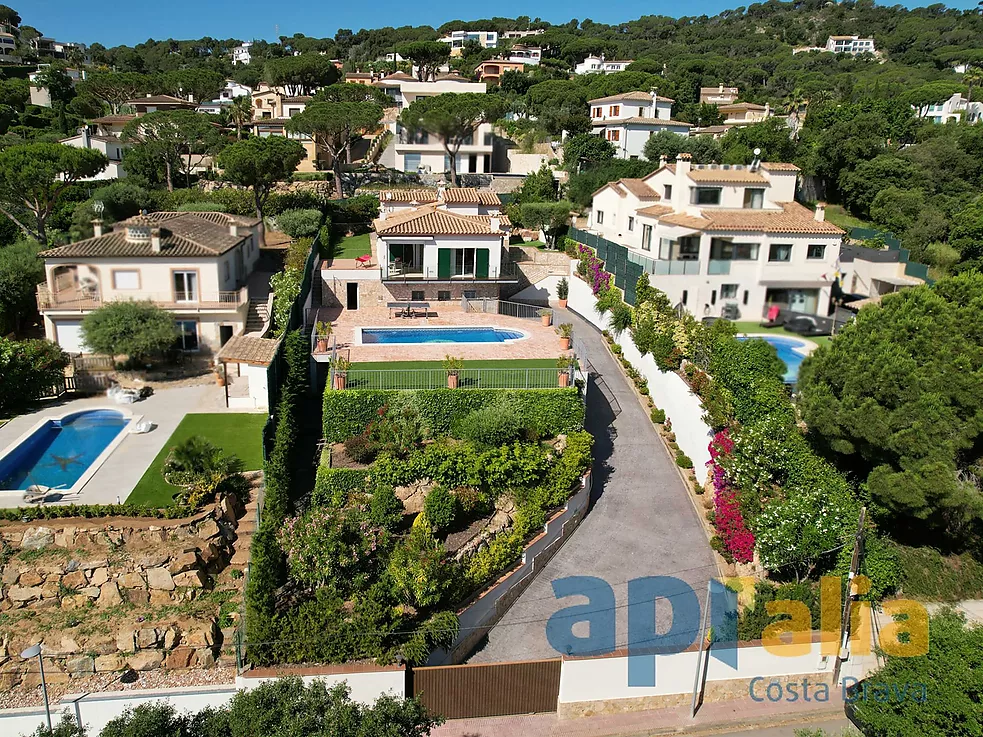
(481, 263)
(443, 263)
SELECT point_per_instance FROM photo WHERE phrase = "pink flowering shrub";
(591, 268)
(327, 543)
(736, 538)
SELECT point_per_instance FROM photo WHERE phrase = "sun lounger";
(419, 309)
(402, 308)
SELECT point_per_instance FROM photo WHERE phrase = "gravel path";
(642, 522)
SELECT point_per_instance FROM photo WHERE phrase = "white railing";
(73, 299)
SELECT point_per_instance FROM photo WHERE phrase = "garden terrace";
(422, 498)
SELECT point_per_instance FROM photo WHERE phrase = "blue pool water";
(60, 451)
(785, 348)
(438, 335)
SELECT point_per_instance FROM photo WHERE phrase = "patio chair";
(363, 262)
(771, 319)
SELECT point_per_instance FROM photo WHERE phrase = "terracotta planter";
(546, 320)
(563, 304)
(322, 345)
(565, 344)
(340, 380)
(563, 377)
(452, 381)
(220, 380)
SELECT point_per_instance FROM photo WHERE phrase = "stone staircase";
(379, 144)
(245, 529)
(257, 316)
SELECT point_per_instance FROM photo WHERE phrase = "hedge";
(89, 511)
(546, 411)
(335, 486)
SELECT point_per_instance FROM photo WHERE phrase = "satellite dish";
(757, 152)
(98, 206)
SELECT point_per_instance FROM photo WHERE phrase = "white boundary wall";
(668, 390)
(365, 687)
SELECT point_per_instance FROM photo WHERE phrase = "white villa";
(193, 264)
(457, 39)
(108, 144)
(849, 45)
(957, 108)
(421, 151)
(712, 236)
(627, 120)
(600, 65)
(241, 53)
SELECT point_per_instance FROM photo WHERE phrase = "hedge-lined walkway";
(642, 523)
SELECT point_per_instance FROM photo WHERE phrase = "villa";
(720, 95)
(600, 65)
(627, 120)
(723, 240)
(193, 264)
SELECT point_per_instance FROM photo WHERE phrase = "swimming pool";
(59, 451)
(426, 336)
(790, 350)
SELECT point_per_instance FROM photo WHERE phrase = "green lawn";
(352, 247)
(235, 433)
(838, 216)
(753, 327)
(431, 374)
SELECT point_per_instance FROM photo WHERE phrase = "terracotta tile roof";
(470, 196)
(420, 196)
(637, 96)
(654, 210)
(159, 100)
(394, 78)
(430, 220)
(778, 166)
(183, 235)
(451, 77)
(111, 119)
(718, 90)
(740, 106)
(792, 218)
(717, 174)
(636, 120)
(298, 98)
(245, 349)
(639, 188)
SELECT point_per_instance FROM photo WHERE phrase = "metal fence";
(625, 267)
(476, 378)
(911, 268)
(501, 307)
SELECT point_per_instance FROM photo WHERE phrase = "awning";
(797, 284)
(898, 281)
(254, 351)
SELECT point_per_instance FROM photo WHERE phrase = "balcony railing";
(718, 267)
(507, 271)
(77, 299)
(677, 268)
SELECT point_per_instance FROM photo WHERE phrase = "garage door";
(69, 334)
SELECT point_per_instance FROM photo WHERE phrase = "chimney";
(663, 161)
(655, 102)
(84, 132)
(155, 240)
(680, 190)
(97, 228)
(767, 110)
(721, 89)
(820, 212)
(494, 223)
(233, 230)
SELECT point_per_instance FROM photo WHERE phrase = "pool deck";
(542, 342)
(121, 471)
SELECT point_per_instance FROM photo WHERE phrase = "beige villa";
(193, 264)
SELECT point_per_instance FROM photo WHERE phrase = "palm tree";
(240, 113)
(795, 105)
(973, 78)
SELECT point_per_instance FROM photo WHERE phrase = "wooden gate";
(488, 690)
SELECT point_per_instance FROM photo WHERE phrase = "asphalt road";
(642, 523)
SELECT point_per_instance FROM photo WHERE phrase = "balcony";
(507, 272)
(677, 268)
(83, 300)
(719, 267)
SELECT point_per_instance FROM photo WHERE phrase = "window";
(746, 295)
(470, 294)
(713, 297)
(646, 237)
(416, 295)
(443, 296)
(754, 198)
(614, 135)
(614, 110)
(631, 223)
(668, 191)
(689, 248)
(599, 217)
(411, 162)
(596, 113)
(228, 272)
(126, 279)
(728, 291)
(780, 252)
(685, 296)
(705, 196)
(463, 262)
(641, 112)
(816, 251)
(185, 286)
(725, 250)
(188, 335)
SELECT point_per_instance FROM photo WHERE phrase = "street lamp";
(34, 651)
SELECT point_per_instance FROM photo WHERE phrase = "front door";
(224, 334)
(352, 296)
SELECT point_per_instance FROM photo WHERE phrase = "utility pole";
(858, 541)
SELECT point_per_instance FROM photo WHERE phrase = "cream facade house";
(627, 120)
(744, 113)
(718, 95)
(272, 108)
(109, 145)
(194, 265)
(723, 240)
(421, 151)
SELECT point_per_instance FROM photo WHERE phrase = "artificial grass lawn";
(352, 247)
(753, 327)
(239, 434)
(435, 376)
(838, 216)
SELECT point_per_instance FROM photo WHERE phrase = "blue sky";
(115, 22)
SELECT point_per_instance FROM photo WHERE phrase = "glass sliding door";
(185, 286)
(464, 262)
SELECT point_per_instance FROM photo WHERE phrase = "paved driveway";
(642, 522)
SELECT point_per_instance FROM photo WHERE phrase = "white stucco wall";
(365, 687)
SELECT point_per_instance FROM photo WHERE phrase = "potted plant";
(565, 331)
(453, 368)
(340, 366)
(322, 330)
(563, 365)
(546, 316)
(562, 292)
(220, 374)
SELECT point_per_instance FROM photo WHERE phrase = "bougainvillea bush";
(737, 540)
